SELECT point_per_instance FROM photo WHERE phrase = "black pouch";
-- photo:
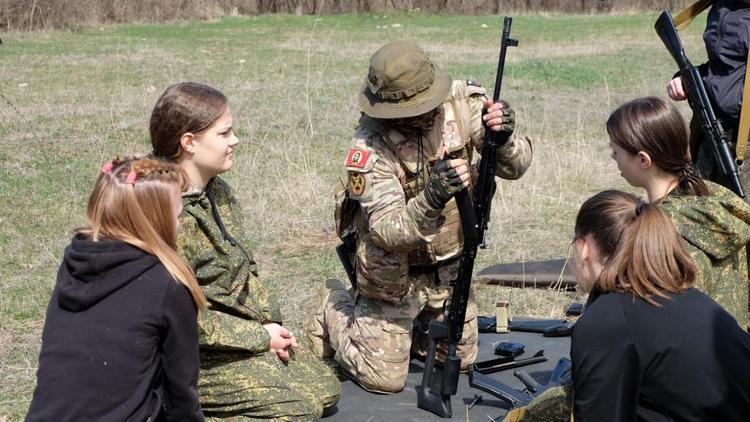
(509, 349)
(486, 324)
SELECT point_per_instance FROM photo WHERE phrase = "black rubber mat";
(358, 405)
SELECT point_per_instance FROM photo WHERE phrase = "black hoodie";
(120, 340)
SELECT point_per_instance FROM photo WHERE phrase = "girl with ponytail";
(120, 339)
(650, 346)
(649, 141)
(251, 365)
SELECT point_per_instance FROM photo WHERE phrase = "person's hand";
(676, 90)
(281, 340)
(447, 177)
(499, 117)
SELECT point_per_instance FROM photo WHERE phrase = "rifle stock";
(434, 394)
(699, 101)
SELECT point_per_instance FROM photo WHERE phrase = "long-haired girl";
(649, 140)
(120, 339)
(247, 370)
(649, 346)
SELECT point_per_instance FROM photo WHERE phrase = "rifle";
(699, 101)
(434, 394)
(561, 375)
(346, 251)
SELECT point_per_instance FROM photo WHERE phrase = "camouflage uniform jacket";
(397, 228)
(210, 240)
(715, 230)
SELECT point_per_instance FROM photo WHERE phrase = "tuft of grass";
(72, 100)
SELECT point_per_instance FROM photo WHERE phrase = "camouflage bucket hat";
(402, 82)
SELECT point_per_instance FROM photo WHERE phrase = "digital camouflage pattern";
(716, 229)
(406, 249)
(553, 405)
(240, 378)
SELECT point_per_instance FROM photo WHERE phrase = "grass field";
(71, 100)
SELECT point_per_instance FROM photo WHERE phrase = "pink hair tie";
(107, 168)
(131, 178)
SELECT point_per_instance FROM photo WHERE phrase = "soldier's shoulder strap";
(461, 91)
(743, 132)
(685, 17)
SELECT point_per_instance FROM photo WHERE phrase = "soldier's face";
(629, 165)
(422, 123)
(214, 147)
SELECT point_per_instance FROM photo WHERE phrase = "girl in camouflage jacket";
(649, 140)
(247, 370)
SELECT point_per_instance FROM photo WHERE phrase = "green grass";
(74, 99)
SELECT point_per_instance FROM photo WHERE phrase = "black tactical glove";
(509, 122)
(443, 184)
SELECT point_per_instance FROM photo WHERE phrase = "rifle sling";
(743, 132)
(685, 17)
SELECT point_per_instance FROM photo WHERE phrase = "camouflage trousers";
(242, 387)
(372, 339)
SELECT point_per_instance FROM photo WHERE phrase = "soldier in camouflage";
(408, 233)
(249, 368)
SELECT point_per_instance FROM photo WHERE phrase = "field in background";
(71, 100)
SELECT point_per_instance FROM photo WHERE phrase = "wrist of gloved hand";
(443, 184)
(436, 195)
(508, 124)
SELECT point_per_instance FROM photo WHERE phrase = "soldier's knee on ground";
(382, 383)
(333, 295)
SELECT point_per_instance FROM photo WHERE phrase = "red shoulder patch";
(357, 158)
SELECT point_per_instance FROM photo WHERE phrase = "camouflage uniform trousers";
(372, 339)
(242, 387)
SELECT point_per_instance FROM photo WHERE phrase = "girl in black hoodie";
(120, 339)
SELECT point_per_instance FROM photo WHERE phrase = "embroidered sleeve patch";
(357, 183)
(357, 158)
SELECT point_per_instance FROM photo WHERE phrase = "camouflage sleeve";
(513, 158)
(218, 330)
(395, 225)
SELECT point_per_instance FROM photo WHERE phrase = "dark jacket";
(120, 341)
(686, 360)
(727, 37)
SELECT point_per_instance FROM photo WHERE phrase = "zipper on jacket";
(232, 241)
(225, 234)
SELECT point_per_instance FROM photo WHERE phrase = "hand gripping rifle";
(698, 99)
(434, 394)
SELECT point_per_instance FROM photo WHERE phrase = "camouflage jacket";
(715, 230)
(210, 239)
(387, 170)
